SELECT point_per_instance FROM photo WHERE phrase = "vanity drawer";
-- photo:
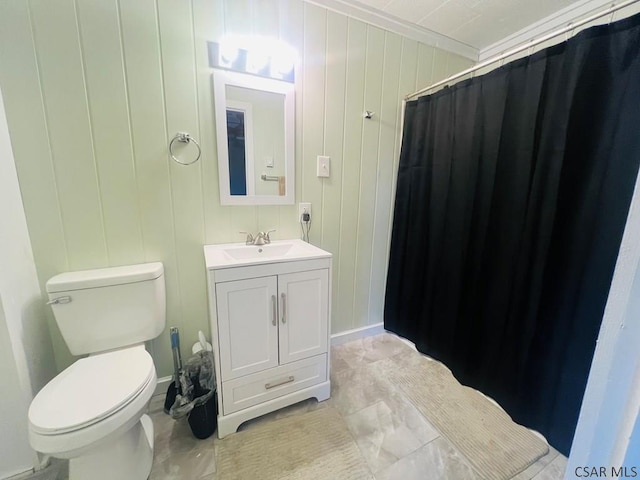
(244, 392)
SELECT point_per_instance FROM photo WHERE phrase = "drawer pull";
(289, 379)
(274, 304)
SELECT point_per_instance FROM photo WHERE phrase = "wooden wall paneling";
(336, 70)
(313, 111)
(64, 92)
(374, 74)
(440, 60)
(426, 59)
(99, 28)
(354, 106)
(238, 20)
(291, 31)
(238, 17)
(143, 67)
(456, 63)
(389, 128)
(179, 72)
(265, 16)
(208, 24)
(24, 106)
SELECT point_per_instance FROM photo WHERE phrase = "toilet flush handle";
(60, 300)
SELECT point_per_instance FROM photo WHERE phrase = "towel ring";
(184, 137)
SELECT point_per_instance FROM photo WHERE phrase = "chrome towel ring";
(184, 137)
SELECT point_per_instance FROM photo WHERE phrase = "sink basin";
(259, 251)
(234, 254)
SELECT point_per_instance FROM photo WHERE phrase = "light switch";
(268, 161)
(324, 166)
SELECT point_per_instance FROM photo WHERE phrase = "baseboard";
(357, 333)
(163, 385)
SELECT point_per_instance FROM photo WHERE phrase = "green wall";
(95, 89)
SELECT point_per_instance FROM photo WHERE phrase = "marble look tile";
(555, 470)
(156, 404)
(403, 361)
(394, 438)
(371, 349)
(338, 363)
(437, 460)
(178, 454)
(386, 433)
(357, 388)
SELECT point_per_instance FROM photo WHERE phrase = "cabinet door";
(304, 307)
(247, 326)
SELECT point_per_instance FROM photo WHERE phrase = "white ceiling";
(477, 23)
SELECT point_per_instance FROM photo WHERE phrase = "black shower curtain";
(512, 196)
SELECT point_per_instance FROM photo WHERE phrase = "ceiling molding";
(385, 21)
(547, 25)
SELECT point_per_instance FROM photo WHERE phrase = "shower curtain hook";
(613, 12)
(569, 31)
(531, 47)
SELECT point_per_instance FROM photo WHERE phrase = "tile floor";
(396, 441)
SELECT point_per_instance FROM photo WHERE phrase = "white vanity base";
(228, 424)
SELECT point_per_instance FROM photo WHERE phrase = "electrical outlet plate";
(302, 206)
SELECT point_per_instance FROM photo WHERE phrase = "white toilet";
(93, 412)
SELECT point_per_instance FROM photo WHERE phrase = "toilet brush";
(174, 387)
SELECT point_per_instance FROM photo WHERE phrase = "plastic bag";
(198, 382)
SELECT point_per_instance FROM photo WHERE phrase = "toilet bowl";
(93, 414)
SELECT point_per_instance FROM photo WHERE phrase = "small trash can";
(197, 397)
(203, 419)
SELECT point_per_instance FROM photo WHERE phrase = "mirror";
(255, 132)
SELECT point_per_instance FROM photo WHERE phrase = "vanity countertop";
(228, 255)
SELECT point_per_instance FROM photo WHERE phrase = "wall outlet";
(302, 207)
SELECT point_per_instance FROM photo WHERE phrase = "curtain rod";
(570, 26)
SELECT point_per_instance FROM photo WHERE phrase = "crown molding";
(560, 19)
(367, 14)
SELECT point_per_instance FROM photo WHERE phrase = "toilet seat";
(71, 401)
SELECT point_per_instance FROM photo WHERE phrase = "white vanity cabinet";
(270, 325)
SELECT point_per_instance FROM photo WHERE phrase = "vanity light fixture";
(264, 57)
(228, 55)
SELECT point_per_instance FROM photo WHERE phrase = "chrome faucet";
(261, 238)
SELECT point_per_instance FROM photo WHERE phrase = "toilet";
(93, 413)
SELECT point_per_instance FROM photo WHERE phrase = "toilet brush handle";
(177, 359)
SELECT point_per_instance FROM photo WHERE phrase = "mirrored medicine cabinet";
(255, 135)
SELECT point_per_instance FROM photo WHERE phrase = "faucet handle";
(249, 240)
(266, 235)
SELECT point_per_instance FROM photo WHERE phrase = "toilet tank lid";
(104, 277)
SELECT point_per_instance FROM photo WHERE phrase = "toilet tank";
(108, 308)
